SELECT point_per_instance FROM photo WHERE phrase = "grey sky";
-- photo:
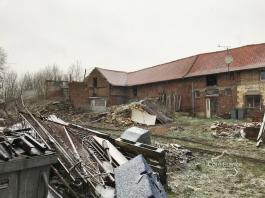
(123, 34)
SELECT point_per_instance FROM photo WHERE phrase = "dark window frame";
(135, 91)
(252, 99)
(211, 80)
(262, 75)
(95, 82)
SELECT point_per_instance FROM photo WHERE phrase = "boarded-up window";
(253, 101)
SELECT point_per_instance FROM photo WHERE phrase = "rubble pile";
(176, 155)
(45, 108)
(222, 129)
(121, 115)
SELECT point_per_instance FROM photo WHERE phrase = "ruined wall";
(56, 90)
(78, 94)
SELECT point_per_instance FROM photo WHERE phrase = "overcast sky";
(123, 34)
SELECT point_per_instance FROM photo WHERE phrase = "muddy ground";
(222, 166)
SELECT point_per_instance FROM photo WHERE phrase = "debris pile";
(177, 156)
(222, 129)
(52, 106)
(88, 158)
(128, 114)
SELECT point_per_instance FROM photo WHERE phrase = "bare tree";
(76, 71)
(48, 73)
(3, 57)
(10, 85)
(26, 82)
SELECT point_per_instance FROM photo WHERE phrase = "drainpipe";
(192, 98)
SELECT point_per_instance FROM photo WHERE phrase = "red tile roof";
(168, 71)
(246, 57)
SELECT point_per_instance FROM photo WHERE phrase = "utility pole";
(228, 58)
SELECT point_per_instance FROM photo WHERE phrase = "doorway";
(211, 106)
(208, 108)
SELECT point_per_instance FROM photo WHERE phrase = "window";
(262, 75)
(134, 91)
(95, 82)
(231, 76)
(211, 80)
(253, 101)
(228, 92)
(197, 94)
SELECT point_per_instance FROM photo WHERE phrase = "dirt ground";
(222, 167)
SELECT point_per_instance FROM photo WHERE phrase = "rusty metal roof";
(246, 57)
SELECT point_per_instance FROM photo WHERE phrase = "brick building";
(206, 84)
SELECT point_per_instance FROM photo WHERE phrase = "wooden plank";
(261, 131)
(146, 150)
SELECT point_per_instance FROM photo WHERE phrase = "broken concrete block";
(136, 179)
(135, 134)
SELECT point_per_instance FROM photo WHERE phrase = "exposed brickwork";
(178, 87)
(178, 77)
(78, 94)
(223, 102)
(101, 89)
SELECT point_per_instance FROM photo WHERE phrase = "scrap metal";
(87, 158)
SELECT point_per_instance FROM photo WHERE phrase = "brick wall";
(178, 87)
(250, 82)
(115, 95)
(78, 94)
(224, 101)
(231, 88)
(103, 87)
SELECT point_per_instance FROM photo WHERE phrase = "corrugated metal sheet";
(246, 57)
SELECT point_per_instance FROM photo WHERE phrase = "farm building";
(203, 84)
